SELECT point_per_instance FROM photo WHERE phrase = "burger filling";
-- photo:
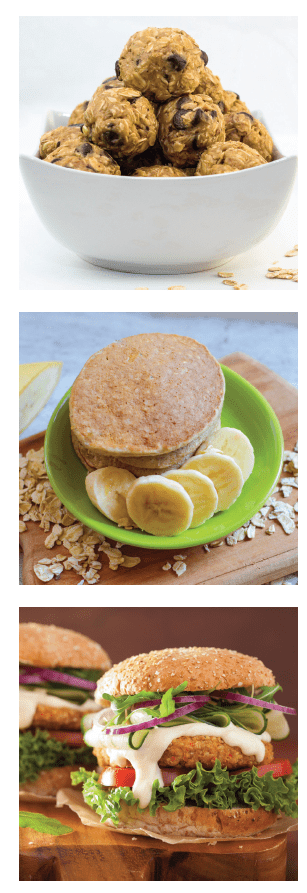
(51, 706)
(185, 749)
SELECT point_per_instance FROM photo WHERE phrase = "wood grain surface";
(98, 854)
(257, 561)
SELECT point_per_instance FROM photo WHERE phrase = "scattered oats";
(231, 540)
(240, 534)
(45, 561)
(265, 509)
(179, 557)
(81, 582)
(275, 491)
(286, 522)
(130, 561)
(292, 253)
(216, 543)
(167, 566)
(279, 273)
(43, 573)
(291, 482)
(179, 567)
(270, 529)
(56, 568)
(257, 520)
(22, 526)
(176, 288)
(119, 545)
(281, 507)
(225, 274)
(240, 287)
(295, 449)
(296, 507)
(229, 282)
(251, 530)
(206, 547)
(52, 537)
(59, 557)
(286, 491)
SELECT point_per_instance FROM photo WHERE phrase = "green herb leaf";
(43, 824)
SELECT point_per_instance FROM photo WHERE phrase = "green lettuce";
(210, 789)
(39, 752)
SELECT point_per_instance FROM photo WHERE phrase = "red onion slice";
(151, 723)
(244, 699)
(41, 674)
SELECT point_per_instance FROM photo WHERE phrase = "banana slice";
(200, 489)
(159, 506)
(107, 489)
(223, 471)
(233, 443)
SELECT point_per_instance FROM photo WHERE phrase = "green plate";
(244, 408)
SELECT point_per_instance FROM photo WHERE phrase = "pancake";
(149, 400)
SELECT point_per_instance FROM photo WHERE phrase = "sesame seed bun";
(194, 821)
(201, 668)
(52, 646)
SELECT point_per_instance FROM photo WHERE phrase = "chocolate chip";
(247, 116)
(199, 114)
(213, 113)
(237, 95)
(117, 69)
(204, 57)
(195, 144)
(178, 122)
(56, 159)
(221, 106)
(75, 125)
(181, 100)
(85, 149)
(131, 99)
(58, 144)
(137, 61)
(178, 63)
(85, 105)
(111, 136)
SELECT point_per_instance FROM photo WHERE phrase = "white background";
(62, 61)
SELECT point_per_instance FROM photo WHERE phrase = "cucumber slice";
(136, 739)
(278, 726)
(87, 722)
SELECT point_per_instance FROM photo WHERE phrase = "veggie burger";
(59, 669)
(184, 748)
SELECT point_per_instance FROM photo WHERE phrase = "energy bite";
(226, 157)
(157, 170)
(187, 126)
(161, 62)
(120, 120)
(211, 85)
(77, 116)
(84, 157)
(243, 127)
(53, 139)
(150, 157)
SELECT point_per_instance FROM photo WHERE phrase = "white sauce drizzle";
(145, 760)
(29, 699)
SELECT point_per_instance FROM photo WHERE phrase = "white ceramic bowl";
(152, 225)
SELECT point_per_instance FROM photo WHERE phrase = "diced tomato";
(74, 739)
(279, 767)
(121, 778)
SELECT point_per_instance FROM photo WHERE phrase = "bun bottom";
(194, 821)
(48, 783)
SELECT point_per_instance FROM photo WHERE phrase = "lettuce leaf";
(39, 752)
(209, 789)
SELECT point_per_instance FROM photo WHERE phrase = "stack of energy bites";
(165, 114)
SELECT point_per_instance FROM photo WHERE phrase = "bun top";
(146, 394)
(201, 668)
(52, 646)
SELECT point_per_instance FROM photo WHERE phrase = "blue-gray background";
(72, 337)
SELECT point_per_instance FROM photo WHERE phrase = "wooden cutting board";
(98, 854)
(257, 561)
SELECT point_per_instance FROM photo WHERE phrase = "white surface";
(233, 44)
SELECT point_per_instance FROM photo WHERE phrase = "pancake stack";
(146, 403)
